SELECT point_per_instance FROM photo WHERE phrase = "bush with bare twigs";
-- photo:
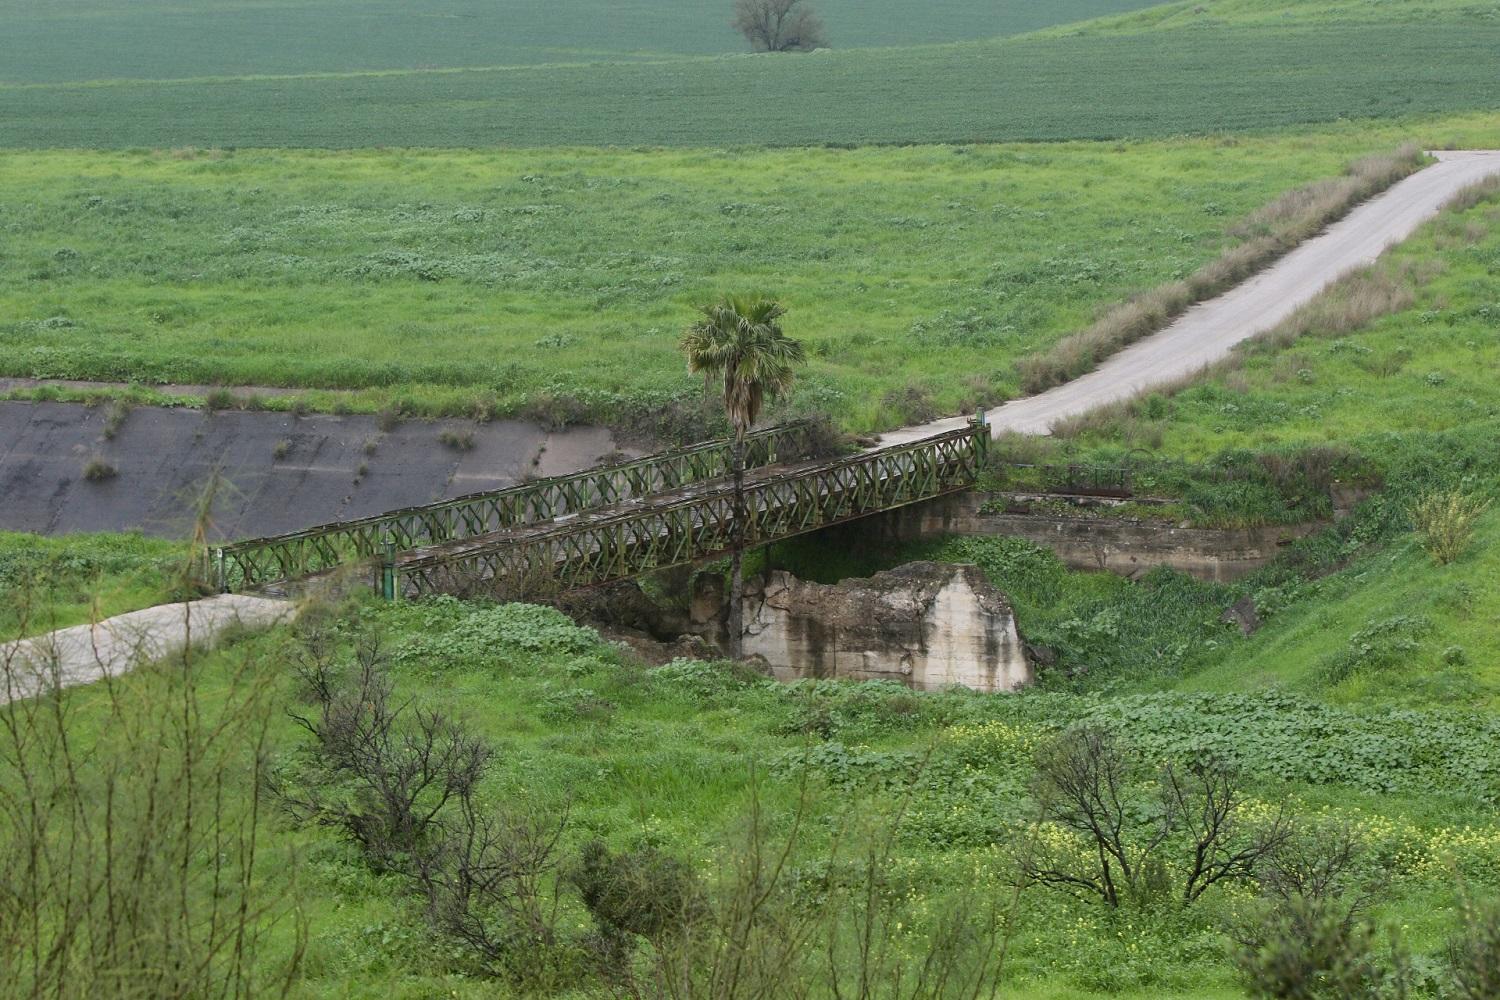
(380, 771)
(401, 782)
(1091, 789)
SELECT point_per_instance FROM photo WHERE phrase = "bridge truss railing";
(544, 564)
(261, 561)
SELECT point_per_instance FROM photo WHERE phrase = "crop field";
(1282, 13)
(482, 282)
(1175, 81)
(78, 40)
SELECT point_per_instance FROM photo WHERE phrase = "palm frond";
(740, 339)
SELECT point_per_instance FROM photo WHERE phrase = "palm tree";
(740, 339)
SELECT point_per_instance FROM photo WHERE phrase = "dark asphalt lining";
(163, 458)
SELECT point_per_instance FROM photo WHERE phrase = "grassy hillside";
(1397, 365)
(1364, 707)
(1200, 79)
(76, 40)
(488, 281)
(663, 761)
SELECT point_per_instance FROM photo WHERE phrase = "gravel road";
(1207, 332)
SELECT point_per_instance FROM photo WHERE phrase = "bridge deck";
(538, 539)
(688, 524)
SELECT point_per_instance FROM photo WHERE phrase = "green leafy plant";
(1445, 521)
(1309, 949)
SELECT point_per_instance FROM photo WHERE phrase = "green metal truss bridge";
(542, 538)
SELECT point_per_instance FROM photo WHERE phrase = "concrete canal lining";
(281, 472)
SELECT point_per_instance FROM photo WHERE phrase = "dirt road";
(87, 653)
(1208, 331)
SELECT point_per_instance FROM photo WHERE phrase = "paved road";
(86, 653)
(1207, 332)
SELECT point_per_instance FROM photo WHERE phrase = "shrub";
(639, 893)
(380, 771)
(97, 470)
(458, 440)
(218, 399)
(1474, 952)
(1445, 521)
(479, 634)
(1308, 949)
(911, 405)
(1088, 788)
(400, 782)
(1380, 644)
(114, 417)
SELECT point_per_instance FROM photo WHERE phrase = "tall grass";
(131, 854)
(1445, 521)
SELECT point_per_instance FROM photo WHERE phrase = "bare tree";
(1088, 785)
(779, 25)
(379, 770)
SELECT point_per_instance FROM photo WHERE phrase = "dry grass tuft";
(1353, 302)
(1472, 195)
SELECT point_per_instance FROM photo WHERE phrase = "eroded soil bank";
(67, 467)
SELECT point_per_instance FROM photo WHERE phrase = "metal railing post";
(388, 569)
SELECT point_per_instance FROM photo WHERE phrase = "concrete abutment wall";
(1117, 545)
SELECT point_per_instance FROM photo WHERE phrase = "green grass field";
(1172, 80)
(481, 281)
(79, 40)
(51, 583)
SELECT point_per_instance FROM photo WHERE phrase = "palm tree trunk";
(737, 553)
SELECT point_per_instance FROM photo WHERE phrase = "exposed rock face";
(927, 625)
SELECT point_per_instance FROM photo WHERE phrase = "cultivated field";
(77, 40)
(1208, 78)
